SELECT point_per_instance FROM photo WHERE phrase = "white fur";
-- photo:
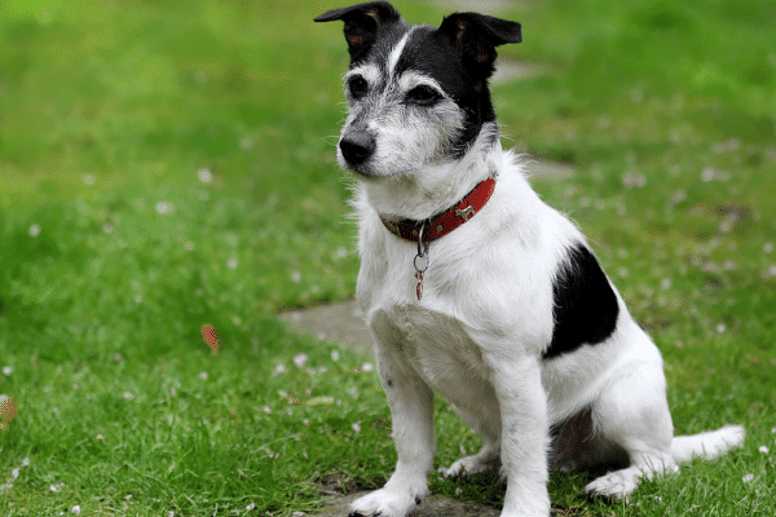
(393, 58)
(477, 337)
(486, 317)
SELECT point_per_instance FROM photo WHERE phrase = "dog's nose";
(357, 146)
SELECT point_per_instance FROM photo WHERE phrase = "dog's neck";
(437, 187)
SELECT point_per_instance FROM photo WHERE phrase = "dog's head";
(417, 95)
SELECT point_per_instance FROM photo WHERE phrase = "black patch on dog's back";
(586, 309)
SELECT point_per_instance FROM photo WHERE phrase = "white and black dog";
(474, 288)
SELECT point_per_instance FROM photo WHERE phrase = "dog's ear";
(476, 37)
(362, 22)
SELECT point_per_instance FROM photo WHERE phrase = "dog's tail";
(707, 445)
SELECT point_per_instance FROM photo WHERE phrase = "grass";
(164, 166)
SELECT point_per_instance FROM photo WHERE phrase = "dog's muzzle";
(357, 146)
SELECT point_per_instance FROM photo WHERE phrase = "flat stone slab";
(432, 506)
(341, 322)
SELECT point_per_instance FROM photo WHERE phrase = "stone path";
(336, 322)
(342, 322)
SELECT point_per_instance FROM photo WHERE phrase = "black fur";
(586, 309)
(460, 55)
(430, 52)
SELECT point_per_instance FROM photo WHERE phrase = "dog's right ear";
(362, 22)
(476, 37)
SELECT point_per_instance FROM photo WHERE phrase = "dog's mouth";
(365, 173)
(362, 171)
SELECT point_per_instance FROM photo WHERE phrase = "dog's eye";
(358, 87)
(423, 95)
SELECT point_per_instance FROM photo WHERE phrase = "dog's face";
(417, 96)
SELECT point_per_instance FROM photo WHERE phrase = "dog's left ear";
(476, 37)
(362, 22)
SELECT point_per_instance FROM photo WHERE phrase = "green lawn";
(167, 165)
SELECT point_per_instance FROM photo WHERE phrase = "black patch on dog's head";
(460, 56)
(431, 53)
(586, 308)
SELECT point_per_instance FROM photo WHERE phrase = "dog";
(474, 288)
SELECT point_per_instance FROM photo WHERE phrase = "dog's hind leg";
(484, 461)
(484, 419)
(632, 414)
(412, 406)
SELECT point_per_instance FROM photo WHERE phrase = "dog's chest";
(437, 346)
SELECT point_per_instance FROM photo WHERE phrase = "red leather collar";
(444, 223)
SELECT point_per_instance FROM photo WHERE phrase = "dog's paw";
(384, 503)
(470, 466)
(612, 487)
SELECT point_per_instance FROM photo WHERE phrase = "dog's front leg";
(412, 412)
(524, 436)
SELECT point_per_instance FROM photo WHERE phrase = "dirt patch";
(432, 506)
